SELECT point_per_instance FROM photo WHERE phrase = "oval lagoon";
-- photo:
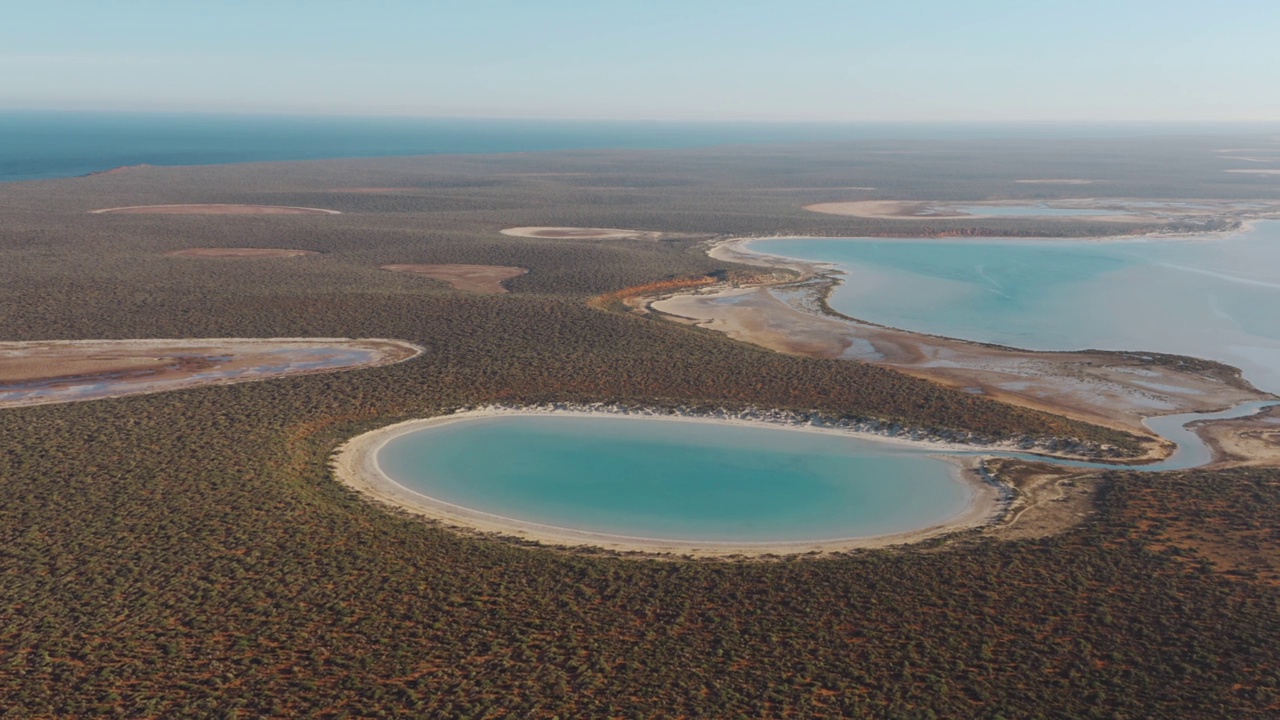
(683, 481)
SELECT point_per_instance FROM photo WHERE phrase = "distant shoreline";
(58, 144)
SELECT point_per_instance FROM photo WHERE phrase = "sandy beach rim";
(355, 465)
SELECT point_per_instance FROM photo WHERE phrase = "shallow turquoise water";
(676, 480)
(1211, 297)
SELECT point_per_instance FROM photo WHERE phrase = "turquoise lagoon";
(677, 479)
(1215, 297)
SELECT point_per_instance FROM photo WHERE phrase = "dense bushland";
(188, 553)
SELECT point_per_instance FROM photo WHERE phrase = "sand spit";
(239, 253)
(1113, 389)
(1253, 440)
(472, 278)
(885, 210)
(355, 465)
(377, 190)
(932, 210)
(56, 371)
(580, 233)
(213, 209)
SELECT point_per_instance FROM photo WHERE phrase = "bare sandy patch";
(580, 233)
(1049, 499)
(472, 278)
(58, 371)
(1055, 181)
(375, 190)
(1253, 440)
(239, 253)
(933, 210)
(355, 465)
(886, 210)
(213, 209)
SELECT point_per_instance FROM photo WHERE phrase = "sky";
(823, 60)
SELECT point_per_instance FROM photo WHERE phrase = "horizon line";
(671, 120)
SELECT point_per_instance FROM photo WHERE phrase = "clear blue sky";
(925, 60)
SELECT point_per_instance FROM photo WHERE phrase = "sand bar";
(934, 210)
(213, 209)
(58, 371)
(471, 278)
(377, 190)
(355, 465)
(580, 233)
(240, 253)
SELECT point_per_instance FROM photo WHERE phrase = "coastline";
(354, 464)
(1101, 387)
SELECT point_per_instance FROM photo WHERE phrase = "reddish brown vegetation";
(609, 299)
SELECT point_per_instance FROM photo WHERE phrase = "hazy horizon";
(922, 61)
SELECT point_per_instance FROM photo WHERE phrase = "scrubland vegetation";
(188, 553)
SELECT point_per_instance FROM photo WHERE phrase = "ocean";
(38, 145)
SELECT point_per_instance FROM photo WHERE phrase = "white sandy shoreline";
(355, 465)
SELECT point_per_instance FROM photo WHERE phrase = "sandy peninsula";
(44, 372)
(355, 465)
(935, 210)
(213, 209)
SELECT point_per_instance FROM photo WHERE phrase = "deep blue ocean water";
(42, 145)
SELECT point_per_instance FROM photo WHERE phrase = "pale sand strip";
(80, 363)
(215, 209)
(580, 233)
(355, 465)
(938, 210)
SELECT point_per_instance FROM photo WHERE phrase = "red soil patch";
(239, 252)
(472, 278)
(214, 209)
